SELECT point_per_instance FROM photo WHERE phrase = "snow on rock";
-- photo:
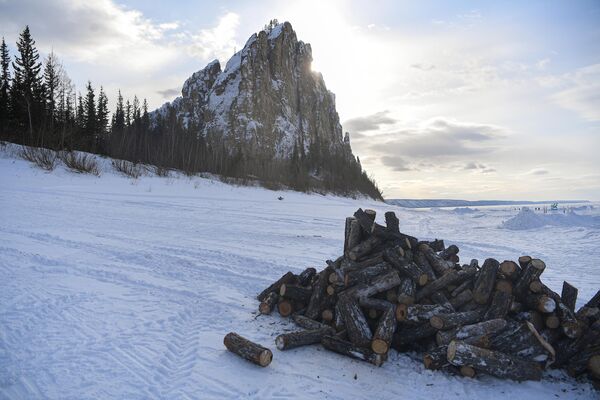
(113, 288)
(269, 83)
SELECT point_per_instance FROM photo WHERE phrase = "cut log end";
(285, 308)
(593, 366)
(265, 358)
(467, 371)
(401, 312)
(379, 346)
(436, 322)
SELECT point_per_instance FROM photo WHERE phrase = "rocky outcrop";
(266, 100)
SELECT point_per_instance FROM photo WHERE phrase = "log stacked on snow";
(391, 291)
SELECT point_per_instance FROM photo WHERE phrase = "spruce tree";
(27, 88)
(145, 117)
(90, 122)
(102, 113)
(51, 82)
(4, 87)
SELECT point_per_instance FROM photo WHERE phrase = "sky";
(463, 99)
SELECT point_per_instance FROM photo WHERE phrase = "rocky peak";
(266, 101)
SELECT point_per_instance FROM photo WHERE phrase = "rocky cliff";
(266, 100)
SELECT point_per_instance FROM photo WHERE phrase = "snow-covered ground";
(124, 289)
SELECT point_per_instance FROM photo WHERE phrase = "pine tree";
(145, 117)
(51, 82)
(4, 87)
(136, 115)
(27, 93)
(119, 116)
(128, 113)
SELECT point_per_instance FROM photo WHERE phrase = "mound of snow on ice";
(528, 219)
(465, 210)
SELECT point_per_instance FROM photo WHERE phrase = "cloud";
(538, 171)
(396, 163)
(440, 139)
(168, 93)
(217, 42)
(422, 66)
(99, 31)
(369, 123)
(583, 93)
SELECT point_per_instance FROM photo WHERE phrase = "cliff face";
(266, 100)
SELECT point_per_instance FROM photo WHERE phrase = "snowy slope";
(113, 288)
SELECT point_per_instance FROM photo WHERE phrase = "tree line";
(39, 106)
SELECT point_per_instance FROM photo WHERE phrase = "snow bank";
(528, 219)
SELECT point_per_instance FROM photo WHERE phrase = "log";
(523, 340)
(531, 272)
(441, 299)
(523, 261)
(292, 340)
(499, 306)
(539, 302)
(481, 328)
(375, 304)
(338, 321)
(439, 265)
(305, 278)
(380, 284)
(352, 234)
(437, 245)
(449, 321)
(285, 307)
(509, 270)
(421, 261)
(355, 322)
(533, 316)
(443, 338)
(593, 366)
(391, 295)
(327, 315)
(447, 253)
(484, 284)
(569, 323)
(343, 347)
(391, 222)
(366, 219)
(409, 335)
(289, 277)
(419, 313)
(461, 299)
(452, 277)
(594, 301)
(436, 358)
(382, 337)
(363, 248)
(409, 269)
(491, 362)
(307, 323)
(579, 363)
(504, 285)
(268, 304)
(568, 348)
(588, 315)
(248, 350)
(552, 321)
(466, 285)
(314, 308)
(366, 275)
(406, 291)
(536, 286)
(295, 292)
(569, 295)
(467, 371)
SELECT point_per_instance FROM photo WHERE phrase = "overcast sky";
(474, 100)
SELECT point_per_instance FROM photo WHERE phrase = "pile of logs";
(391, 291)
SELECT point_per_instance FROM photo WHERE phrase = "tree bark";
(500, 305)
(352, 234)
(439, 265)
(509, 270)
(523, 340)
(441, 299)
(448, 252)
(307, 323)
(382, 338)
(365, 275)
(484, 284)
(419, 313)
(292, 340)
(380, 284)
(363, 248)
(349, 349)
(449, 321)
(318, 294)
(531, 272)
(452, 277)
(305, 278)
(391, 222)
(493, 363)
(355, 322)
(268, 304)
(569, 295)
(248, 350)
(461, 299)
(295, 292)
(406, 291)
(523, 261)
(289, 277)
(406, 268)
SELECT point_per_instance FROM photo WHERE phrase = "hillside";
(112, 287)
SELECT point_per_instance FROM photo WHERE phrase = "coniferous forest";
(41, 107)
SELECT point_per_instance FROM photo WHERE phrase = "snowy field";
(112, 288)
